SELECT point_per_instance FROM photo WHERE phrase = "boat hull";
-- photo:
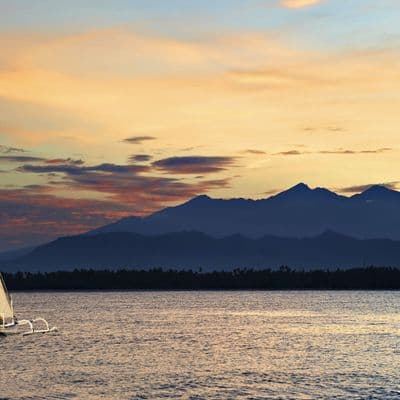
(9, 331)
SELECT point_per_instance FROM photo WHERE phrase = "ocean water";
(206, 345)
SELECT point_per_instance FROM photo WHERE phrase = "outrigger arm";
(32, 329)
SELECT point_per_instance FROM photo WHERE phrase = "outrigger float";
(9, 324)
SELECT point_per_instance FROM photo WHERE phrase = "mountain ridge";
(299, 211)
(195, 250)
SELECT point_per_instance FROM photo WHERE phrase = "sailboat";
(9, 324)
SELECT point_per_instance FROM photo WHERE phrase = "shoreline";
(283, 279)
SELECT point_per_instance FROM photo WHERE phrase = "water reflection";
(207, 345)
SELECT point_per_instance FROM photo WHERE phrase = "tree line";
(371, 278)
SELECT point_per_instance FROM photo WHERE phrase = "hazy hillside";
(187, 250)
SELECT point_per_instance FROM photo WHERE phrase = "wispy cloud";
(34, 159)
(64, 161)
(194, 164)
(335, 129)
(291, 153)
(138, 139)
(8, 149)
(71, 169)
(253, 151)
(140, 158)
(335, 151)
(21, 159)
(343, 151)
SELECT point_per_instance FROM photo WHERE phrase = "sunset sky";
(116, 108)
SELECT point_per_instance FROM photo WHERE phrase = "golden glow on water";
(207, 345)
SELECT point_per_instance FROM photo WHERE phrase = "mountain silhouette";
(297, 212)
(378, 193)
(13, 254)
(194, 250)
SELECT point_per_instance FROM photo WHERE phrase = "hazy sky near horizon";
(114, 108)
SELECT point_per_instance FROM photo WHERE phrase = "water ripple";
(206, 345)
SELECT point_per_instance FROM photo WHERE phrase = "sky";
(123, 107)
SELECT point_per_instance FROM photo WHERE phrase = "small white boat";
(10, 325)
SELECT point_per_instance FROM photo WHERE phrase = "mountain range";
(300, 227)
(194, 250)
(297, 212)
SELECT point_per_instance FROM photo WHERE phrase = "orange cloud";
(299, 3)
(223, 94)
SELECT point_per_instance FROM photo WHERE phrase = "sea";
(206, 345)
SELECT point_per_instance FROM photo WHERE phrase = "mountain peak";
(202, 197)
(377, 189)
(300, 187)
(301, 190)
(376, 192)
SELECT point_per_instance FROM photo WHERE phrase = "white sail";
(6, 308)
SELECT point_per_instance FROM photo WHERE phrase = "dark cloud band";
(138, 139)
(194, 164)
(21, 159)
(140, 158)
